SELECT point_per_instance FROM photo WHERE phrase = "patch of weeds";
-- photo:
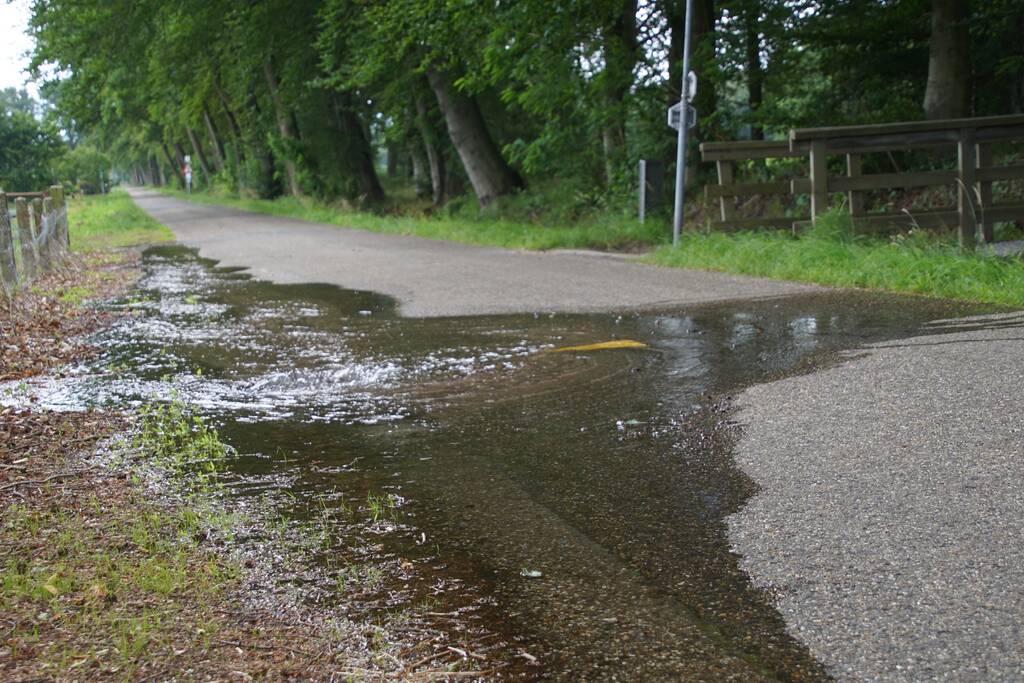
(181, 443)
(359, 578)
(383, 507)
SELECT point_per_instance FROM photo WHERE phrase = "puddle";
(570, 503)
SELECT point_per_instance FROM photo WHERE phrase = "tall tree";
(948, 93)
(489, 173)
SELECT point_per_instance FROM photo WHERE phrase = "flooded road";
(570, 503)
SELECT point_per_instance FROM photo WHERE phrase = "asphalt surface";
(890, 525)
(434, 278)
(890, 522)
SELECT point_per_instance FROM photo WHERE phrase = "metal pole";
(677, 217)
(643, 190)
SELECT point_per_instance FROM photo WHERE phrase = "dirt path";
(433, 278)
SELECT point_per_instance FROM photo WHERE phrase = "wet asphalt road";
(889, 523)
(432, 278)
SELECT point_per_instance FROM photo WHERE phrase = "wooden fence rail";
(42, 230)
(724, 154)
(973, 216)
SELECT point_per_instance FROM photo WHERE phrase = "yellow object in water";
(602, 346)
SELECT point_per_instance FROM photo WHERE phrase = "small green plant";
(181, 443)
(382, 507)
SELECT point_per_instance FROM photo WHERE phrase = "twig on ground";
(29, 482)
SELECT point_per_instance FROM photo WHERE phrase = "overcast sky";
(14, 43)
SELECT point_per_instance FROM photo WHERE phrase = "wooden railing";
(972, 179)
(725, 154)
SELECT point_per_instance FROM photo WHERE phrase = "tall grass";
(830, 254)
(109, 221)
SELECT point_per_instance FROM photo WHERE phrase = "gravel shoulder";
(434, 278)
(890, 522)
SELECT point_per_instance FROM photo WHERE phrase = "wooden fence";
(42, 235)
(972, 179)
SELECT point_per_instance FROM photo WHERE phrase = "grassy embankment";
(98, 222)
(828, 255)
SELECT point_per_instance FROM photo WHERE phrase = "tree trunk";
(620, 55)
(488, 172)
(755, 73)
(200, 156)
(392, 161)
(420, 174)
(435, 157)
(215, 143)
(948, 92)
(284, 126)
(358, 151)
(174, 166)
(235, 128)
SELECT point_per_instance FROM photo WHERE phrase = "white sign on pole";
(673, 116)
(691, 86)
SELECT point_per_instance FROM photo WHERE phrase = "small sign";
(673, 116)
(691, 86)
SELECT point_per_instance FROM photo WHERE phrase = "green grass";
(97, 222)
(608, 231)
(831, 255)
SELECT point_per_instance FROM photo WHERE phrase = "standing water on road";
(571, 503)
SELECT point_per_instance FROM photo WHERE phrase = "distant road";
(434, 278)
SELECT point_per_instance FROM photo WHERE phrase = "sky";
(14, 15)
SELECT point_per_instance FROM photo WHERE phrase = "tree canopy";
(307, 96)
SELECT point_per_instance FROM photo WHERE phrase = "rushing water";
(570, 501)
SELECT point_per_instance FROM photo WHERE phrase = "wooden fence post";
(984, 193)
(819, 179)
(61, 207)
(854, 198)
(29, 253)
(46, 241)
(726, 204)
(967, 208)
(8, 268)
(50, 216)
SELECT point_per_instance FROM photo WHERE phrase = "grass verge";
(486, 228)
(110, 221)
(831, 255)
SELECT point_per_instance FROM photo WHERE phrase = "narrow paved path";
(434, 278)
(891, 517)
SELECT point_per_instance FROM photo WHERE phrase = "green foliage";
(831, 255)
(180, 443)
(28, 150)
(84, 169)
(305, 95)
